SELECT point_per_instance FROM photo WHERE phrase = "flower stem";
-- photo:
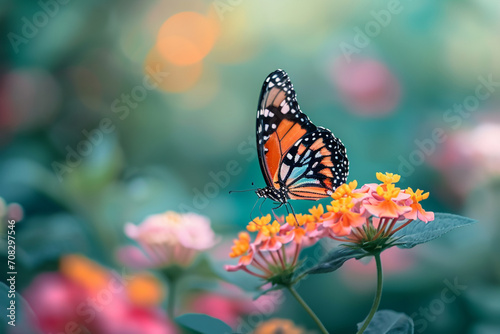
(171, 299)
(378, 295)
(308, 309)
(283, 252)
(281, 259)
(400, 227)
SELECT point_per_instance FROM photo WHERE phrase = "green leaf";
(204, 324)
(335, 259)
(68, 234)
(389, 322)
(418, 232)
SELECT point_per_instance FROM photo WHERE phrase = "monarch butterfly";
(298, 159)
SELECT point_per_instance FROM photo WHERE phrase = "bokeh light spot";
(187, 37)
(29, 98)
(82, 270)
(366, 86)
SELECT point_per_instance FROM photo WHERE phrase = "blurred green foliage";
(60, 77)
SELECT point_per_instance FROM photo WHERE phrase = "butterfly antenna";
(242, 191)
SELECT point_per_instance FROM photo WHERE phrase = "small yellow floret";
(298, 220)
(345, 190)
(388, 178)
(418, 195)
(241, 245)
(342, 205)
(258, 223)
(316, 212)
(271, 229)
(389, 193)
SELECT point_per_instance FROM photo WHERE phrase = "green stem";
(171, 299)
(308, 309)
(378, 295)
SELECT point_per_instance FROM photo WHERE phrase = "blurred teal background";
(114, 110)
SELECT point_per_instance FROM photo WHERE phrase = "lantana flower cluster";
(366, 217)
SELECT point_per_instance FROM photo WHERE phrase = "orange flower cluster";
(354, 215)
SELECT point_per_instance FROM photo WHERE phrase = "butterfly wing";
(292, 151)
(280, 123)
(315, 165)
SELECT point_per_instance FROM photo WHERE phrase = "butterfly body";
(298, 159)
(278, 195)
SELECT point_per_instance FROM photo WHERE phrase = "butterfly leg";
(293, 211)
(287, 211)
(253, 208)
(260, 207)
(276, 208)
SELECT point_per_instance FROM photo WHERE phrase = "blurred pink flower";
(366, 86)
(29, 99)
(10, 211)
(168, 238)
(64, 303)
(469, 157)
(218, 306)
(135, 258)
(54, 300)
(234, 304)
(120, 317)
(360, 275)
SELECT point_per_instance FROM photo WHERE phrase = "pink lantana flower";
(344, 214)
(274, 252)
(417, 212)
(367, 218)
(361, 215)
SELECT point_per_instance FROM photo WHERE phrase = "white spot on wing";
(284, 171)
(286, 109)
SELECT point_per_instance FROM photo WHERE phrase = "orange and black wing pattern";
(308, 160)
